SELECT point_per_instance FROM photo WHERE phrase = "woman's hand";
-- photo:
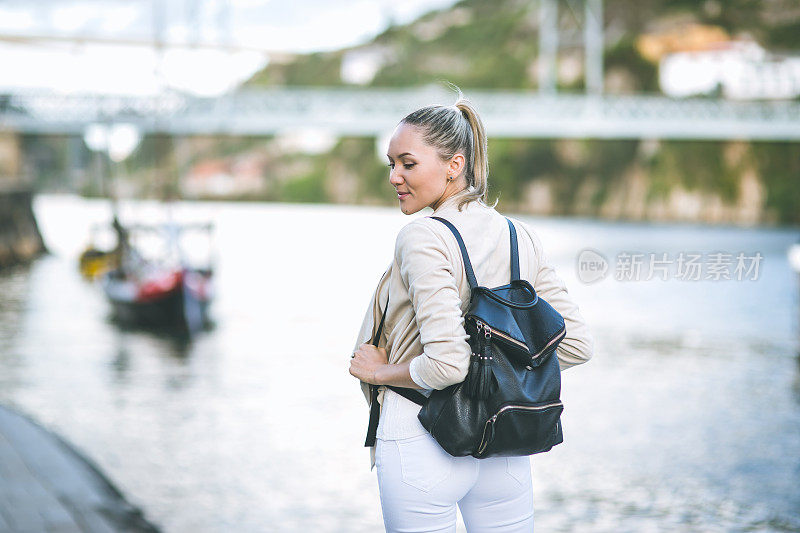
(366, 361)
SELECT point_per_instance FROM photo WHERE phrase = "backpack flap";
(527, 324)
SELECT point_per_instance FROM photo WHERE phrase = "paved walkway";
(47, 486)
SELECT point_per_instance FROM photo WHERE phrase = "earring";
(449, 178)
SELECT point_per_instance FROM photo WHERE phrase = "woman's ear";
(456, 165)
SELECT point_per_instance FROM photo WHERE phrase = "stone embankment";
(20, 239)
(47, 485)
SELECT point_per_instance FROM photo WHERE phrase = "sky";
(268, 25)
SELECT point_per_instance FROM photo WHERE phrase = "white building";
(738, 69)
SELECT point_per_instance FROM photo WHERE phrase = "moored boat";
(176, 298)
(164, 292)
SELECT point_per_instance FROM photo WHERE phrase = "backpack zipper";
(509, 338)
(491, 421)
(482, 325)
(489, 332)
(555, 339)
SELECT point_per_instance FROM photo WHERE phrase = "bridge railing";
(370, 111)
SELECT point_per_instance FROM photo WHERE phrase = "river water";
(686, 419)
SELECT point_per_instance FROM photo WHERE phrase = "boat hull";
(183, 306)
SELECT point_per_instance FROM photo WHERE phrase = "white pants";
(420, 485)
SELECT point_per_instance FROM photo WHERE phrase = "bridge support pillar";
(548, 45)
(10, 156)
(593, 46)
(20, 240)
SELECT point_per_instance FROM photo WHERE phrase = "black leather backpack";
(509, 404)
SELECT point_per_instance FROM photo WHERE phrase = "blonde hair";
(457, 129)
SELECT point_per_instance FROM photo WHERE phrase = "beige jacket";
(429, 293)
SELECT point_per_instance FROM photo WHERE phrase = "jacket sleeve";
(578, 345)
(427, 273)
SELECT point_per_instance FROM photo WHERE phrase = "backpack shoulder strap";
(377, 336)
(473, 282)
(514, 250)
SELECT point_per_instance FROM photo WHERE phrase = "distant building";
(224, 177)
(735, 69)
(359, 66)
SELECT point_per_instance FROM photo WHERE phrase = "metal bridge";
(369, 112)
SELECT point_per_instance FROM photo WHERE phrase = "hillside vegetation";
(493, 44)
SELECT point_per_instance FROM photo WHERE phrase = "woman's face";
(417, 172)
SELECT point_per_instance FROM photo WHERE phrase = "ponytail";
(478, 175)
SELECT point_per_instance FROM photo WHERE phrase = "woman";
(438, 159)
